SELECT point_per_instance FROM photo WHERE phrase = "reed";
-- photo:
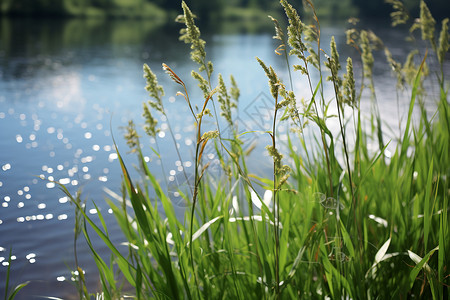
(369, 225)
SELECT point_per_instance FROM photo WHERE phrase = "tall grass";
(369, 225)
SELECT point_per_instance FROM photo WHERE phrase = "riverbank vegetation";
(339, 217)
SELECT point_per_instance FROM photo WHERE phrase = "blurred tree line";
(205, 9)
(374, 8)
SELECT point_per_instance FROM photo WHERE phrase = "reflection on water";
(67, 86)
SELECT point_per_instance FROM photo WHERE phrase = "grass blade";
(123, 263)
(421, 263)
(17, 289)
(427, 213)
(405, 140)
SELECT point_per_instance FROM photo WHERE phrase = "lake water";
(67, 86)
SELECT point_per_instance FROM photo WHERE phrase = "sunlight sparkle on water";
(112, 157)
(62, 217)
(6, 167)
(64, 181)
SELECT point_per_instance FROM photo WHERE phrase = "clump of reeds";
(370, 225)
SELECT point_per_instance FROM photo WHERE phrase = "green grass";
(369, 225)
(10, 293)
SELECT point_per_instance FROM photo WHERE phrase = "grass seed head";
(443, 41)
(203, 84)
(279, 34)
(295, 30)
(313, 58)
(333, 64)
(427, 23)
(225, 101)
(400, 14)
(367, 57)
(172, 74)
(274, 82)
(150, 122)
(154, 89)
(334, 53)
(234, 91)
(210, 135)
(352, 37)
(396, 68)
(349, 85)
(191, 35)
(131, 136)
(205, 112)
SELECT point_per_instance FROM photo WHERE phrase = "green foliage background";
(205, 9)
